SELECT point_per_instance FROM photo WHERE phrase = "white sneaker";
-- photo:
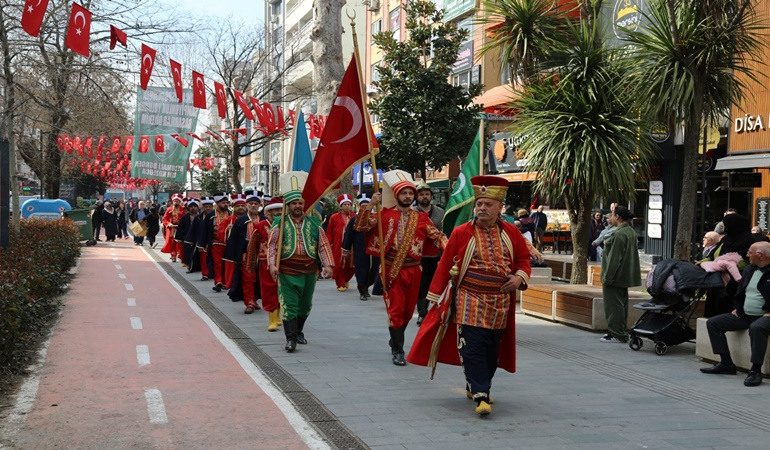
(610, 340)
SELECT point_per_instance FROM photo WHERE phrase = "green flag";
(459, 209)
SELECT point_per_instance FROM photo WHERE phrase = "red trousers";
(229, 274)
(217, 252)
(401, 297)
(247, 285)
(342, 275)
(269, 288)
(170, 246)
(204, 266)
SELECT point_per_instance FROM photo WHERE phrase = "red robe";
(455, 251)
(170, 220)
(335, 231)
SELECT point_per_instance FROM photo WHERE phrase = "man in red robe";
(335, 231)
(406, 233)
(267, 284)
(487, 260)
(170, 221)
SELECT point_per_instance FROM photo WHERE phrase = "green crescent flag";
(459, 209)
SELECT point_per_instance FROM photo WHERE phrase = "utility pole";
(42, 165)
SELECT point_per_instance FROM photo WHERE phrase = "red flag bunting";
(195, 136)
(144, 144)
(199, 91)
(117, 35)
(129, 145)
(148, 62)
(89, 147)
(32, 17)
(213, 135)
(221, 100)
(181, 140)
(160, 144)
(241, 131)
(115, 145)
(344, 144)
(228, 134)
(176, 75)
(291, 118)
(79, 30)
(244, 106)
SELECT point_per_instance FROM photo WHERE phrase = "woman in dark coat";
(122, 220)
(96, 220)
(110, 221)
(153, 225)
(738, 239)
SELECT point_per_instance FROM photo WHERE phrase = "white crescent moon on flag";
(75, 19)
(350, 104)
(144, 59)
(176, 71)
(198, 81)
(460, 184)
(38, 4)
(221, 93)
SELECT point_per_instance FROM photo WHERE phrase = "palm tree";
(690, 59)
(582, 135)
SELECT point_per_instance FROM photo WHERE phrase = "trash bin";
(82, 218)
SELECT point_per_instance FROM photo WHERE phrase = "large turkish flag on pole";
(344, 142)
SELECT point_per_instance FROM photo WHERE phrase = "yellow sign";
(712, 140)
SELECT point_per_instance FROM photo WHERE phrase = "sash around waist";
(408, 262)
(483, 281)
(298, 265)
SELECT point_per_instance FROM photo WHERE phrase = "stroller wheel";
(636, 343)
(660, 348)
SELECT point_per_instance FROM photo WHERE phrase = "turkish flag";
(176, 75)
(345, 143)
(79, 30)
(228, 134)
(148, 62)
(115, 144)
(244, 106)
(160, 144)
(144, 144)
(32, 16)
(219, 89)
(216, 138)
(129, 145)
(117, 35)
(88, 147)
(199, 91)
(183, 141)
(194, 136)
(241, 131)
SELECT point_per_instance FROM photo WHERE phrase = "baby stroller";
(676, 288)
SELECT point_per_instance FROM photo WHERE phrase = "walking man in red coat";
(170, 220)
(487, 260)
(335, 231)
(406, 233)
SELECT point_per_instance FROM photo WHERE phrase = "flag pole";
(294, 135)
(482, 148)
(375, 180)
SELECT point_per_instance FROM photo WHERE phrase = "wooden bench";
(738, 342)
(560, 270)
(538, 301)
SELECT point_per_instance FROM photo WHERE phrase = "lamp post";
(42, 165)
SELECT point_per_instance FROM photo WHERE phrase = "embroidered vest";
(309, 230)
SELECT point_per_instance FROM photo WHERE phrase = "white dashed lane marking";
(117, 266)
(131, 301)
(136, 323)
(114, 259)
(129, 287)
(122, 276)
(143, 354)
(155, 406)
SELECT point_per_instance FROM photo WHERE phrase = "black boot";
(422, 309)
(397, 345)
(300, 326)
(366, 292)
(363, 294)
(290, 329)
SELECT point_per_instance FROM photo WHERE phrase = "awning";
(519, 176)
(439, 184)
(496, 100)
(744, 161)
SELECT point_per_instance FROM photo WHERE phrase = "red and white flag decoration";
(148, 62)
(176, 75)
(244, 106)
(199, 91)
(160, 144)
(117, 36)
(88, 147)
(32, 17)
(79, 30)
(181, 140)
(219, 89)
(195, 136)
(129, 145)
(144, 144)
(216, 138)
(115, 145)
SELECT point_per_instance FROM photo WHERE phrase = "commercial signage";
(762, 212)
(745, 180)
(456, 8)
(464, 58)
(508, 156)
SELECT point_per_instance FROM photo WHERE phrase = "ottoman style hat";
(239, 199)
(207, 201)
(176, 197)
(344, 198)
(292, 184)
(490, 186)
(194, 201)
(219, 197)
(423, 186)
(275, 203)
(253, 197)
(394, 182)
(363, 198)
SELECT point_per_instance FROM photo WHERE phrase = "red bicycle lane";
(133, 363)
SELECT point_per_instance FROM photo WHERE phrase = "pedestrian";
(430, 256)
(597, 226)
(184, 236)
(122, 220)
(335, 231)
(527, 223)
(407, 234)
(199, 225)
(541, 224)
(153, 226)
(242, 248)
(366, 266)
(96, 220)
(267, 285)
(239, 210)
(293, 263)
(486, 261)
(607, 231)
(720, 226)
(620, 270)
(213, 238)
(736, 237)
(110, 221)
(137, 215)
(170, 220)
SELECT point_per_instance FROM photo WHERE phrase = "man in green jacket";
(620, 270)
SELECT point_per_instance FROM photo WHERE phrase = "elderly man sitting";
(752, 312)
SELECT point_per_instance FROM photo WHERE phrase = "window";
(505, 74)
(395, 24)
(462, 79)
(376, 28)
(375, 74)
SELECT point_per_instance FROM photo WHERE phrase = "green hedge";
(34, 271)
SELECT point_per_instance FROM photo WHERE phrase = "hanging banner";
(159, 113)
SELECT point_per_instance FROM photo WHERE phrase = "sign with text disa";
(158, 115)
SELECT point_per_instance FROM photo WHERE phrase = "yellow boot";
(483, 408)
(273, 317)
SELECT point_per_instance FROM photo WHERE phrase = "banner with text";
(159, 114)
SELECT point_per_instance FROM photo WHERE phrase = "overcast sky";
(243, 9)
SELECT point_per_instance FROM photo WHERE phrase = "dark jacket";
(763, 286)
(687, 277)
(540, 219)
(153, 222)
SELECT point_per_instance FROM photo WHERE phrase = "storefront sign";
(761, 210)
(655, 216)
(745, 180)
(456, 8)
(749, 123)
(654, 231)
(655, 202)
(656, 187)
(508, 156)
(464, 58)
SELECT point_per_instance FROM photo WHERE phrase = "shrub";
(34, 271)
